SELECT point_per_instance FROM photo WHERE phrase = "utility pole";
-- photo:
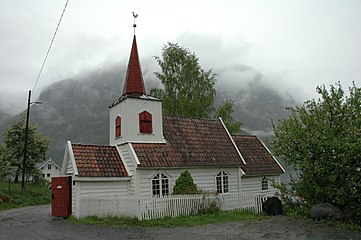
(26, 140)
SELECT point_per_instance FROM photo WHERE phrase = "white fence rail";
(177, 205)
(146, 208)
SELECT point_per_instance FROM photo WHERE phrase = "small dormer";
(135, 116)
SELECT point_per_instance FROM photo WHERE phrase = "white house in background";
(149, 151)
(49, 169)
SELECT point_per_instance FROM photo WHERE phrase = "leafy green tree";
(188, 89)
(13, 147)
(225, 112)
(322, 138)
(5, 166)
(185, 184)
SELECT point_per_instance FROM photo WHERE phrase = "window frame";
(145, 122)
(118, 127)
(49, 166)
(222, 182)
(162, 181)
(264, 184)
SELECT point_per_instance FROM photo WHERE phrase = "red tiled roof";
(190, 142)
(98, 161)
(134, 79)
(258, 159)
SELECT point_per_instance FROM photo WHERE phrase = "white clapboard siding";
(129, 164)
(103, 207)
(69, 168)
(204, 178)
(126, 158)
(103, 189)
(254, 185)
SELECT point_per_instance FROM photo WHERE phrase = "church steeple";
(135, 116)
(133, 83)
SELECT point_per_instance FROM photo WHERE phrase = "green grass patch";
(18, 197)
(182, 221)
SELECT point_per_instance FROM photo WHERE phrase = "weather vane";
(134, 25)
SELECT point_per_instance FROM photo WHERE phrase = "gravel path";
(36, 223)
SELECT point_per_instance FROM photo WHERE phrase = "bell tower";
(135, 116)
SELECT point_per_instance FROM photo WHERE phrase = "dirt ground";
(36, 223)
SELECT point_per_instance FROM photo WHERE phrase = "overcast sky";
(296, 44)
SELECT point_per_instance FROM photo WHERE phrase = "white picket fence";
(146, 208)
(178, 205)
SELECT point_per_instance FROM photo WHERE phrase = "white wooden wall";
(254, 185)
(103, 189)
(129, 163)
(129, 110)
(205, 178)
(96, 190)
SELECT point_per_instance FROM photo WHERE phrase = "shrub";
(185, 184)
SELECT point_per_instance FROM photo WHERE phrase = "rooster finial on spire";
(134, 25)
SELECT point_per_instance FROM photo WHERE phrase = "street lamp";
(26, 137)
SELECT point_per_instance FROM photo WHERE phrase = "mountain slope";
(76, 109)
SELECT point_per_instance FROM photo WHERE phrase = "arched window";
(264, 183)
(118, 127)
(222, 182)
(160, 185)
(145, 122)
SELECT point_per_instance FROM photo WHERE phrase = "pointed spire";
(134, 79)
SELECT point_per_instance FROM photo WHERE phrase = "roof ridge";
(94, 145)
(244, 135)
(188, 117)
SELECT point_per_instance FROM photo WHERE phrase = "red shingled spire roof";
(134, 79)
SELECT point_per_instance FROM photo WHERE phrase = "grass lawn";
(183, 221)
(18, 197)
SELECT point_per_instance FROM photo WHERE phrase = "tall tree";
(13, 148)
(226, 113)
(5, 166)
(322, 139)
(188, 89)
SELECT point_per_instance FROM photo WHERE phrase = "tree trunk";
(16, 178)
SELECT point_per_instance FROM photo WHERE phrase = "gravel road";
(36, 223)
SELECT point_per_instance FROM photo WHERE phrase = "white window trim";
(222, 184)
(160, 183)
(121, 127)
(264, 179)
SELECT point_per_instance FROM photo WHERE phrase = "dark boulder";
(326, 211)
(272, 206)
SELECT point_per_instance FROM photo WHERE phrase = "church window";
(118, 127)
(264, 183)
(160, 185)
(222, 182)
(145, 122)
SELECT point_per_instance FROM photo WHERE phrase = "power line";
(51, 43)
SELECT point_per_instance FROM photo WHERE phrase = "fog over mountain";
(76, 108)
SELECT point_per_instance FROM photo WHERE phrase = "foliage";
(5, 166)
(323, 140)
(182, 221)
(225, 112)
(185, 184)
(188, 89)
(211, 208)
(13, 148)
(31, 195)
